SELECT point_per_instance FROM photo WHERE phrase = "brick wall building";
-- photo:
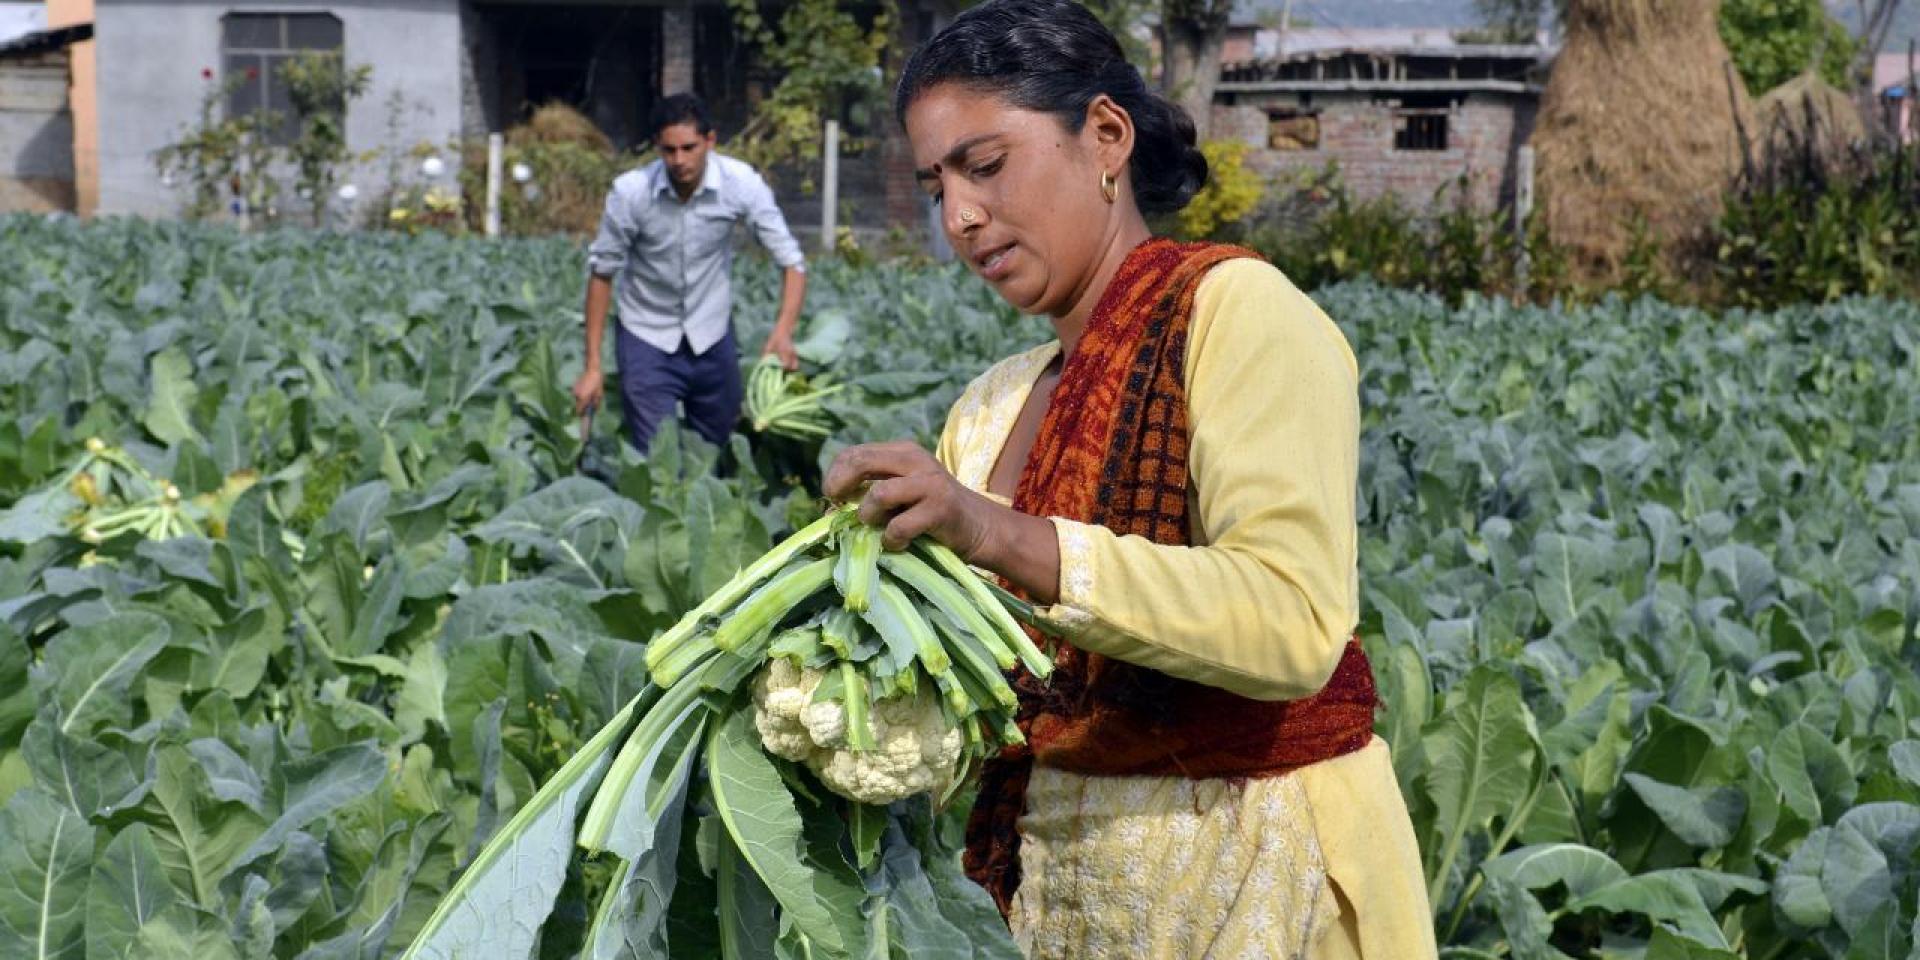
(1413, 122)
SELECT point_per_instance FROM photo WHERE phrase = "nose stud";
(967, 215)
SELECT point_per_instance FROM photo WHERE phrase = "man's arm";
(793, 290)
(770, 228)
(588, 390)
(605, 257)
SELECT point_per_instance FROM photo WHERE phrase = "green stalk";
(682, 659)
(951, 599)
(1513, 826)
(742, 583)
(858, 566)
(771, 602)
(1032, 657)
(722, 674)
(658, 722)
(577, 767)
(895, 611)
(859, 729)
(839, 632)
(988, 684)
(603, 914)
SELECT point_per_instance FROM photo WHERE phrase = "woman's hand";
(906, 492)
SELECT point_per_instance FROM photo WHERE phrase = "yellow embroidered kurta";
(1320, 863)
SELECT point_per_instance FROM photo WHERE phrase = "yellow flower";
(397, 214)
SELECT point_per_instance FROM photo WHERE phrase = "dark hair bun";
(1053, 56)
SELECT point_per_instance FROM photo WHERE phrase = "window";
(1420, 130)
(1293, 129)
(254, 45)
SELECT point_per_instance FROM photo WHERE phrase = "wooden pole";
(1522, 210)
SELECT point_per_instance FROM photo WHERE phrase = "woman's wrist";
(1024, 549)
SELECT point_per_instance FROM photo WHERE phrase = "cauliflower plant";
(915, 750)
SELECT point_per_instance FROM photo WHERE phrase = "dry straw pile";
(1641, 123)
(1808, 116)
(573, 165)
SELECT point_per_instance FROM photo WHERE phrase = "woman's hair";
(1053, 56)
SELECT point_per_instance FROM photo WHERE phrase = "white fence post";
(830, 188)
(496, 156)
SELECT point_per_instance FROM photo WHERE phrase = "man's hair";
(677, 109)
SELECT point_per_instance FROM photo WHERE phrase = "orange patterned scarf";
(1112, 450)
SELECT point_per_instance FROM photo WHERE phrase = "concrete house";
(442, 70)
(1404, 112)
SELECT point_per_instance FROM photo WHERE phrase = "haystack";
(1807, 112)
(556, 123)
(1639, 124)
(572, 162)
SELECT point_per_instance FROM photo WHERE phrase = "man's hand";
(589, 390)
(780, 344)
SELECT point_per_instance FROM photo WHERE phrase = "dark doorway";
(601, 60)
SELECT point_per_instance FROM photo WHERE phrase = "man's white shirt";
(671, 261)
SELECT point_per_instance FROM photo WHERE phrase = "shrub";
(1232, 190)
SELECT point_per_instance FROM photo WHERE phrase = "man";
(664, 255)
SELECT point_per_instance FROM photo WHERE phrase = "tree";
(1509, 21)
(1772, 41)
(320, 85)
(826, 62)
(1876, 20)
(1192, 33)
(1123, 17)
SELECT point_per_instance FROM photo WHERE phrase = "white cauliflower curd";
(915, 751)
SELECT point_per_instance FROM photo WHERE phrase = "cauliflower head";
(915, 752)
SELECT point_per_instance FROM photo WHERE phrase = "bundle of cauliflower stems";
(775, 790)
(788, 404)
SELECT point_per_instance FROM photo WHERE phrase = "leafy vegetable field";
(1642, 587)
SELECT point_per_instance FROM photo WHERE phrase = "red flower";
(253, 73)
(206, 73)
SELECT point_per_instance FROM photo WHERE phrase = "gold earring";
(1109, 187)
(967, 215)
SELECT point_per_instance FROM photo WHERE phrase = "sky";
(1459, 13)
(1376, 13)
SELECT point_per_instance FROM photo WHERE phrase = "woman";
(1173, 482)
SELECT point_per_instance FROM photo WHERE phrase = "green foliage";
(1577, 557)
(1232, 190)
(1126, 19)
(1773, 41)
(1660, 565)
(222, 157)
(320, 88)
(1804, 230)
(1319, 233)
(828, 64)
(564, 193)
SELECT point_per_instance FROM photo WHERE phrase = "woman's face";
(1019, 194)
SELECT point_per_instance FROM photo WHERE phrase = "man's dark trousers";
(653, 380)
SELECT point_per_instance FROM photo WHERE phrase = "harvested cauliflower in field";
(915, 751)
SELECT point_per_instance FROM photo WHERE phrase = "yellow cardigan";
(1261, 605)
